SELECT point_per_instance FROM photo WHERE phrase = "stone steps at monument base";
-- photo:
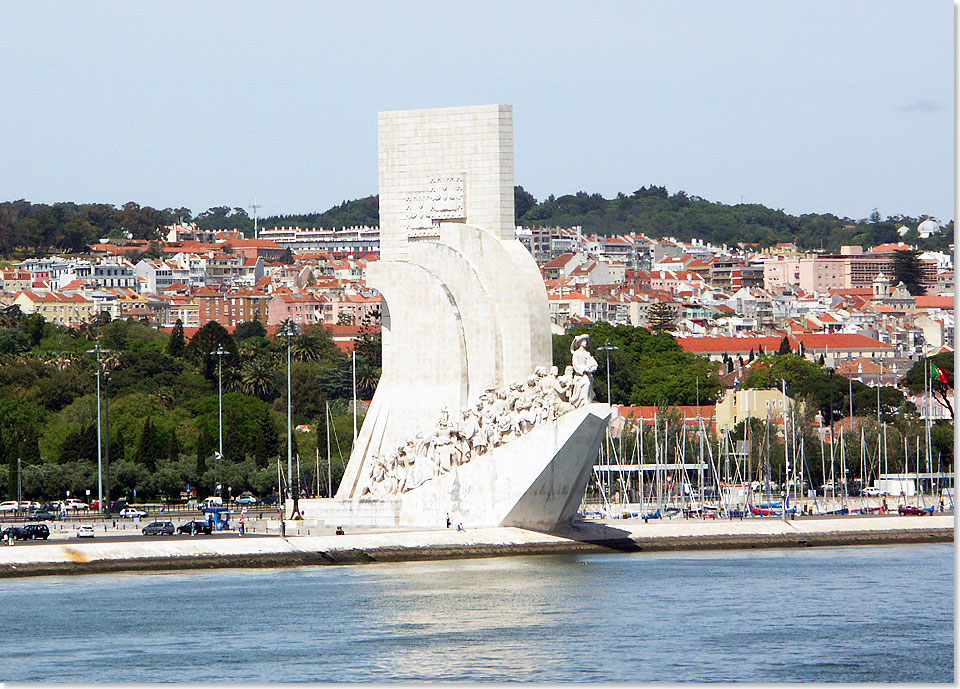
(362, 512)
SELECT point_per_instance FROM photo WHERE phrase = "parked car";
(270, 500)
(17, 533)
(117, 506)
(158, 529)
(41, 515)
(198, 526)
(132, 513)
(911, 510)
(9, 506)
(247, 499)
(85, 531)
(75, 505)
(872, 492)
(41, 531)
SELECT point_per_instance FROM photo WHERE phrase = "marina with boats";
(675, 466)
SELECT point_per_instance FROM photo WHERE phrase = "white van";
(213, 501)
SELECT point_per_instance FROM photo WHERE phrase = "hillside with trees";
(37, 229)
(160, 396)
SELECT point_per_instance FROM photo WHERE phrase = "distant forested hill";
(35, 229)
(655, 212)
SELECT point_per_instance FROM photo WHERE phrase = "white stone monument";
(468, 420)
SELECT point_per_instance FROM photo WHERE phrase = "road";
(133, 538)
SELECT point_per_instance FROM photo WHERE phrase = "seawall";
(79, 557)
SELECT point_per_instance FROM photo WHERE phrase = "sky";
(836, 106)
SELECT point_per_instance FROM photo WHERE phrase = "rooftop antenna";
(255, 206)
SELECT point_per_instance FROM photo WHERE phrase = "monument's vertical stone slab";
(444, 164)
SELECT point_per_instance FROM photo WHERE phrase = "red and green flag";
(941, 374)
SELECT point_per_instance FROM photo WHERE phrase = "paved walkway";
(79, 556)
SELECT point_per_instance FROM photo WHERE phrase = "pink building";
(303, 308)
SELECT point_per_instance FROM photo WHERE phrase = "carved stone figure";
(566, 383)
(584, 366)
(481, 438)
(466, 433)
(553, 394)
(443, 447)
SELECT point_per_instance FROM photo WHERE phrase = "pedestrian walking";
(243, 520)
(448, 521)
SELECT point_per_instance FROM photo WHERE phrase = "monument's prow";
(468, 421)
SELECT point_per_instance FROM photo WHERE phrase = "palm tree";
(368, 376)
(258, 378)
(306, 348)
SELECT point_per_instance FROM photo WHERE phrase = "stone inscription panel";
(442, 200)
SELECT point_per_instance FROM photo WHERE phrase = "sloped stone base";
(535, 481)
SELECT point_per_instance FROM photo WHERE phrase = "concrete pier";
(75, 556)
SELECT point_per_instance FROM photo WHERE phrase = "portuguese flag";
(940, 374)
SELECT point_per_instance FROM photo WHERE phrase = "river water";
(849, 614)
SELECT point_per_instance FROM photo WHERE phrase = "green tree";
(306, 348)
(34, 324)
(173, 446)
(149, 448)
(249, 329)
(523, 201)
(784, 346)
(199, 351)
(176, 343)
(205, 447)
(940, 392)
(234, 440)
(259, 378)
(13, 341)
(660, 317)
(908, 270)
(265, 440)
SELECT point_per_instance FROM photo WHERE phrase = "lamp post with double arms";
(106, 435)
(98, 350)
(219, 352)
(607, 348)
(288, 331)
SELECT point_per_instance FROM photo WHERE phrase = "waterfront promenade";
(66, 555)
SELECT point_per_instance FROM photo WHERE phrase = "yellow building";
(56, 307)
(738, 405)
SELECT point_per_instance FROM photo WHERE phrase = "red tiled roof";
(689, 411)
(559, 261)
(934, 302)
(839, 341)
(728, 344)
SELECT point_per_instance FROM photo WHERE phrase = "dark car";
(158, 529)
(912, 510)
(41, 515)
(195, 526)
(37, 530)
(16, 533)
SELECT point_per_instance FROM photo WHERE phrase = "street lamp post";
(106, 429)
(219, 352)
(288, 331)
(98, 350)
(607, 348)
